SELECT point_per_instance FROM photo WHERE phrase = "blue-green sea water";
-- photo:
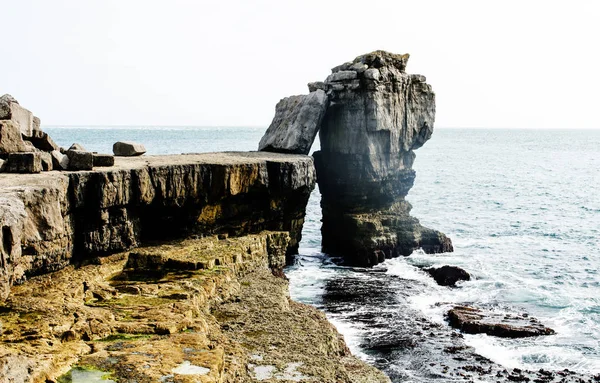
(521, 206)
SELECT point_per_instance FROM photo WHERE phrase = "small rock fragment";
(128, 149)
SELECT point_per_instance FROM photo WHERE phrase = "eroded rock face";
(21, 117)
(211, 305)
(296, 122)
(378, 114)
(89, 213)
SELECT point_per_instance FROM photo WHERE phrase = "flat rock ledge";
(472, 320)
(51, 219)
(196, 310)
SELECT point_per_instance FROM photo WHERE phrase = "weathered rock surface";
(42, 141)
(76, 146)
(59, 161)
(128, 149)
(148, 320)
(10, 139)
(378, 115)
(448, 275)
(296, 122)
(104, 160)
(67, 215)
(27, 162)
(476, 321)
(80, 160)
(21, 117)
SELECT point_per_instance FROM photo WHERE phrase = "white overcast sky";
(522, 64)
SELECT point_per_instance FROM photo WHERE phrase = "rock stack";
(25, 148)
(375, 116)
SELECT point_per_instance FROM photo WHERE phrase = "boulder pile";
(25, 148)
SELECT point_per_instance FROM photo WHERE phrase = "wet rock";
(448, 275)
(59, 161)
(21, 117)
(128, 149)
(28, 162)
(10, 139)
(295, 125)
(476, 321)
(376, 119)
(79, 160)
(42, 141)
(103, 160)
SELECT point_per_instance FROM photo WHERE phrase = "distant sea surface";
(521, 206)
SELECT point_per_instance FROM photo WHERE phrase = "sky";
(505, 64)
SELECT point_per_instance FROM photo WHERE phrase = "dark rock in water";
(10, 139)
(77, 146)
(475, 321)
(378, 115)
(29, 162)
(80, 160)
(103, 160)
(295, 125)
(42, 141)
(448, 275)
(128, 149)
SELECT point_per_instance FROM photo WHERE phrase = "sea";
(522, 208)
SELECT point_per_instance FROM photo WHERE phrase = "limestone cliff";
(50, 219)
(378, 115)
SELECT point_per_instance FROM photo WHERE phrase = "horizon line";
(58, 126)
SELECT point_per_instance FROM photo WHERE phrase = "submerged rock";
(128, 149)
(378, 115)
(295, 125)
(448, 275)
(476, 321)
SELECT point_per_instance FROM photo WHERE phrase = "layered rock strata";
(50, 219)
(376, 116)
(197, 310)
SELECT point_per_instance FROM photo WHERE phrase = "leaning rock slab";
(128, 149)
(59, 161)
(296, 123)
(476, 321)
(42, 141)
(10, 139)
(11, 110)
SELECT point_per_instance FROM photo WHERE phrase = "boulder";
(448, 275)
(80, 160)
(472, 320)
(11, 110)
(10, 139)
(103, 160)
(296, 123)
(28, 162)
(77, 146)
(59, 161)
(36, 123)
(128, 149)
(42, 141)
(47, 162)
